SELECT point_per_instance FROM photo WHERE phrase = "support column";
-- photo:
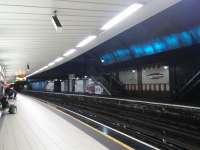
(71, 82)
(139, 79)
(173, 81)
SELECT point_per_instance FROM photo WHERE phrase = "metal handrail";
(101, 84)
(189, 82)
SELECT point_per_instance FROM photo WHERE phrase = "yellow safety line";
(98, 131)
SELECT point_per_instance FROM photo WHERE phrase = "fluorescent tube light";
(41, 69)
(123, 15)
(58, 59)
(86, 40)
(51, 64)
(69, 52)
(165, 67)
(33, 73)
(45, 67)
(36, 72)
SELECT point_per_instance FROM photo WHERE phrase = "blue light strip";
(158, 45)
(121, 53)
(108, 58)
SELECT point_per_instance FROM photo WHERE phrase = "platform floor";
(37, 127)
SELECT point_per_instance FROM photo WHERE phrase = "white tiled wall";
(128, 77)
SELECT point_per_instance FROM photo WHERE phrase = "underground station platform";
(46, 120)
(41, 126)
(99, 75)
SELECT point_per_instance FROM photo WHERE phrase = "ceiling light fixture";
(69, 52)
(36, 72)
(45, 67)
(133, 71)
(86, 40)
(165, 67)
(51, 64)
(56, 23)
(102, 60)
(41, 69)
(58, 59)
(123, 15)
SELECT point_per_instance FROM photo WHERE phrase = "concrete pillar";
(139, 80)
(66, 85)
(71, 82)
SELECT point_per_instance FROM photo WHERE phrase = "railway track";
(166, 128)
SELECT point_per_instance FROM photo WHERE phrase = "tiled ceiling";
(27, 35)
